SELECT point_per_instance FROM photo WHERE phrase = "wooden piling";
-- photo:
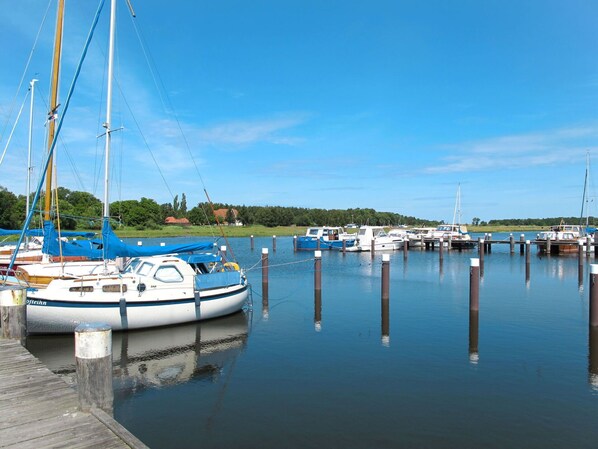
(294, 243)
(593, 357)
(512, 244)
(373, 248)
(441, 250)
(481, 250)
(580, 264)
(265, 308)
(93, 356)
(522, 244)
(548, 248)
(344, 246)
(223, 252)
(474, 284)
(273, 243)
(593, 295)
(318, 271)
(588, 245)
(405, 249)
(528, 251)
(385, 299)
(251, 242)
(13, 313)
(318, 310)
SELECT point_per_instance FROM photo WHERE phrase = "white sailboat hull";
(131, 310)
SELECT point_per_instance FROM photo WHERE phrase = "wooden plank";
(40, 410)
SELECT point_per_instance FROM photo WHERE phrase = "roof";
(178, 221)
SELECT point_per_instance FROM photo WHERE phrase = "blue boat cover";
(54, 246)
(113, 247)
(40, 232)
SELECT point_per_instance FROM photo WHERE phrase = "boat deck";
(40, 410)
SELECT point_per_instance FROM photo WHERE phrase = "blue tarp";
(53, 246)
(40, 232)
(113, 247)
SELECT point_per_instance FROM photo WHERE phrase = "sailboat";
(159, 286)
(565, 238)
(454, 235)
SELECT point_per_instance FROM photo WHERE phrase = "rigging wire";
(167, 105)
(14, 127)
(39, 31)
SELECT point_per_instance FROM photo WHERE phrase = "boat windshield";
(312, 231)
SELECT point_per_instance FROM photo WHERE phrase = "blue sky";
(336, 104)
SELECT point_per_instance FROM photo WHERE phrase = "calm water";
(273, 377)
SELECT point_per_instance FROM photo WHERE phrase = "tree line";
(82, 210)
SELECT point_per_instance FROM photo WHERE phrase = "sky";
(391, 104)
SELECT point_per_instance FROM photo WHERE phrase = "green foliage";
(10, 214)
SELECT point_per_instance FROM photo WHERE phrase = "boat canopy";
(55, 246)
(40, 232)
(113, 247)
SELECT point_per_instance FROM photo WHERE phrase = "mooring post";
(93, 356)
(512, 243)
(318, 270)
(522, 244)
(528, 250)
(593, 295)
(273, 243)
(265, 308)
(481, 249)
(318, 310)
(441, 250)
(294, 243)
(580, 263)
(13, 312)
(385, 299)
(588, 246)
(251, 240)
(405, 249)
(344, 246)
(548, 244)
(373, 247)
(474, 284)
(593, 356)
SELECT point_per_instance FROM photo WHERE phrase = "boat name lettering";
(36, 302)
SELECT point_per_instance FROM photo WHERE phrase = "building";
(177, 221)
(221, 215)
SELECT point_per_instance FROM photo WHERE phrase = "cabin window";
(145, 268)
(114, 288)
(133, 264)
(83, 289)
(313, 232)
(168, 273)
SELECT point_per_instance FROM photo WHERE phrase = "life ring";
(232, 266)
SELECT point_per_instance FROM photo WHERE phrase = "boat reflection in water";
(158, 357)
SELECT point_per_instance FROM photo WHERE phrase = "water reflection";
(318, 310)
(156, 357)
(593, 358)
(474, 355)
(385, 321)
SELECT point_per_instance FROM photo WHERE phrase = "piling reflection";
(474, 355)
(385, 323)
(265, 307)
(593, 358)
(157, 358)
(318, 310)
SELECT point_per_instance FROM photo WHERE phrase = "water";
(274, 376)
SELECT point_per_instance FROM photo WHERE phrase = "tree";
(9, 215)
(475, 221)
(183, 207)
(230, 216)
(175, 206)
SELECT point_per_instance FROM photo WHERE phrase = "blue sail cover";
(40, 232)
(113, 247)
(54, 246)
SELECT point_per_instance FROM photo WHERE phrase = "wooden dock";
(40, 410)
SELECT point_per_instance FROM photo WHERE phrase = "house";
(177, 221)
(221, 215)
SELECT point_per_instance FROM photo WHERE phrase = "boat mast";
(52, 114)
(109, 108)
(29, 168)
(584, 198)
(457, 206)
